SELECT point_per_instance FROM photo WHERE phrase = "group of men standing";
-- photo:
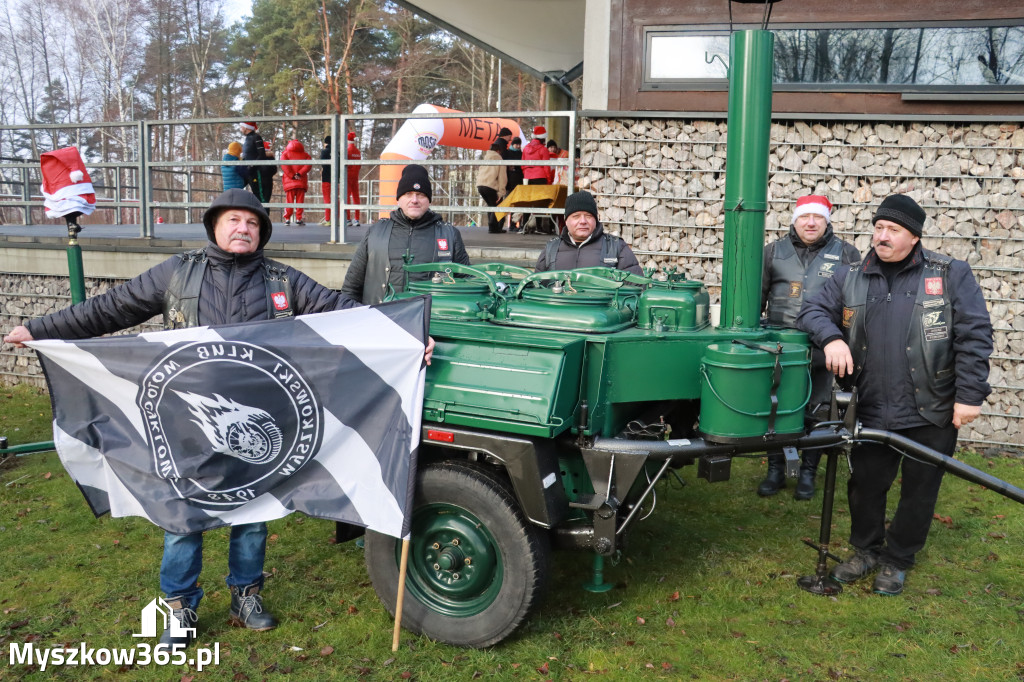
(906, 326)
(909, 329)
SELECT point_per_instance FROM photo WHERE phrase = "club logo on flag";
(442, 244)
(252, 438)
(280, 300)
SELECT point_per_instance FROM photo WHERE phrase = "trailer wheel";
(476, 566)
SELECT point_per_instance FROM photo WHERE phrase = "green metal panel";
(746, 182)
(503, 379)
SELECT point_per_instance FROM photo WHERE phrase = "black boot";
(775, 479)
(247, 609)
(187, 622)
(808, 470)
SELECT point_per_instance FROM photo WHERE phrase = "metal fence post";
(25, 196)
(145, 190)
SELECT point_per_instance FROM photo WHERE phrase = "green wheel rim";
(455, 566)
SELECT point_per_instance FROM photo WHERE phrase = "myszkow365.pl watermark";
(141, 654)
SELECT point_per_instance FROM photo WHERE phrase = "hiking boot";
(861, 564)
(187, 622)
(247, 609)
(804, 485)
(889, 581)
(775, 479)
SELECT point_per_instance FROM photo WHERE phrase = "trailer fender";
(531, 465)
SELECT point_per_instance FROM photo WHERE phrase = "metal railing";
(139, 186)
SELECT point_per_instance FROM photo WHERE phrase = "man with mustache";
(909, 328)
(228, 281)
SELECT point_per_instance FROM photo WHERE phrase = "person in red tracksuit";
(352, 177)
(295, 180)
(536, 150)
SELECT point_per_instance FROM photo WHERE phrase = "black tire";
(461, 506)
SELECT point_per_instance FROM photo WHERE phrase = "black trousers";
(875, 467)
(490, 197)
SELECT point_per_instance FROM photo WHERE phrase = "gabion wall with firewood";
(660, 184)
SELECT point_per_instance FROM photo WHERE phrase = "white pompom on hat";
(813, 203)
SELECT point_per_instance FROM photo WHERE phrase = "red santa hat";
(249, 125)
(540, 131)
(351, 137)
(67, 186)
(266, 146)
(813, 203)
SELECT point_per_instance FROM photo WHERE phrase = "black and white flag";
(211, 426)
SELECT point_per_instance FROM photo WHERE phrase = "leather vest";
(609, 251)
(181, 300)
(792, 282)
(378, 262)
(929, 338)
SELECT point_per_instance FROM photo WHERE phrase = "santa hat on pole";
(813, 203)
(67, 186)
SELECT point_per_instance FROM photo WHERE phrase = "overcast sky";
(236, 9)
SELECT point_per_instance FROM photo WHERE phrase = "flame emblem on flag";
(236, 430)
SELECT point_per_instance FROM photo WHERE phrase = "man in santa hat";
(67, 187)
(352, 178)
(795, 268)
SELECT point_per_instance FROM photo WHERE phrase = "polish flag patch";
(280, 300)
(442, 244)
(933, 286)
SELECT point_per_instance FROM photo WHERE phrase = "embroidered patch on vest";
(826, 269)
(442, 244)
(795, 288)
(935, 328)
(280, 300)
(848, 316)
(933, 286)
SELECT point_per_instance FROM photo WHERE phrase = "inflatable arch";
(417, 137)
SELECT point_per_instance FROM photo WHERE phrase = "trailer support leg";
(597, 583)
(821, 582)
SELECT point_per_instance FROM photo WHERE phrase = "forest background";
(88, 61)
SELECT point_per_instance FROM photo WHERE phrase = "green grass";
(705, 590)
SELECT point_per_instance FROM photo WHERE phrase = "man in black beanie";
(909, 328)
(411, 234)
(583, 243)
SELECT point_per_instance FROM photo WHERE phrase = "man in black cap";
(228, 281)
(909, 328)
(411, 234)
(583, 243)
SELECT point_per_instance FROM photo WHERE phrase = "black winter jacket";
(233, 291)
(588, 255)
(886, 396)
(416, 238)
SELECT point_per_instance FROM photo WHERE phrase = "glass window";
(891, 58)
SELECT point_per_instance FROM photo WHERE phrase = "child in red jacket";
(295, 180)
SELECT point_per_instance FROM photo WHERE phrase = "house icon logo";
(159, 610)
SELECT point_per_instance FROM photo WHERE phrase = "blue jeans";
(183, 561)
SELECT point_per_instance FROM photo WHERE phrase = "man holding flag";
(227, 283)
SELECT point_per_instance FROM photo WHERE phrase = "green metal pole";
(76, 274)
(746, 181)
